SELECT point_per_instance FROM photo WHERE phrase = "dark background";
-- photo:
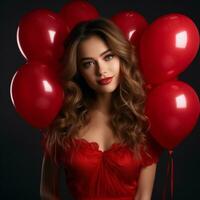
(20, 150)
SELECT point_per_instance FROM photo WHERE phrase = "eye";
(87, 64)
(109, 57)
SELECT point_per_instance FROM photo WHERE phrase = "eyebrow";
(86, 58)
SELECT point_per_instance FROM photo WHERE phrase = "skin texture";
(97, 62)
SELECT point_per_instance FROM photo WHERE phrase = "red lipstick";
(105, 81)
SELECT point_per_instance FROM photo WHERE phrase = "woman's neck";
(102, 103)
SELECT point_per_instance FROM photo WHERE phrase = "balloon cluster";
(35, 90)
(165, 48)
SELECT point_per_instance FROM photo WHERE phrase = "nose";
(100, 68)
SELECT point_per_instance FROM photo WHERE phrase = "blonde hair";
(128, 119)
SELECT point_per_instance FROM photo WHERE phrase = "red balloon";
(36, 94)
(41, 34)
(132, 25)
(57, 68)
(173, 110)
(167, 47)
(77, 11)
(149, 87)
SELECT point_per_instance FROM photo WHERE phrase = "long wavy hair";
(128, 119)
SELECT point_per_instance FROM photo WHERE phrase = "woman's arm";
(49, 184)
(146, 182)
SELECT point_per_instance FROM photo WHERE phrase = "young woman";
(100, 135)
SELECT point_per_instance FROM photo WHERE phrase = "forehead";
(91, 47)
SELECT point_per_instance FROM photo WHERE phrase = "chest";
(100, 133)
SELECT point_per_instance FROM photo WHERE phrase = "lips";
(105, 81)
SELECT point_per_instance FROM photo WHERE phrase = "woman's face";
(95, 62)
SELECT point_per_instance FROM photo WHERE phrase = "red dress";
(92, 174)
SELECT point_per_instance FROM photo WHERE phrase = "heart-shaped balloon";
(36, 94)
(173, 110)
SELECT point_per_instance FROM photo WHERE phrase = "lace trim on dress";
(95, 145)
